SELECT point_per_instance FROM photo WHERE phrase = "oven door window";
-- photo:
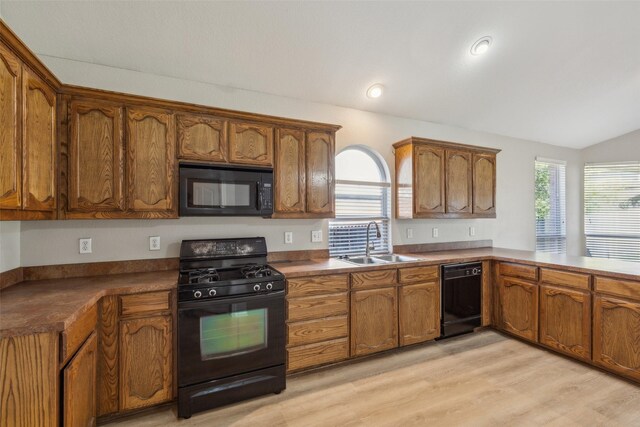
(232, 334)
(212, 194)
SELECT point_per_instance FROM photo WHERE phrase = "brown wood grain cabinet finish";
(318, 306)
(320, 168)
(522, 271)
(484, 184)
(107, 363)
(565, 321)
(487, 293)
(146, 373)
(251, 143)
(151, 160)
(419, 312)
(317, 285)
(289, 173)
(404, 185)
(202, 138)
(79, 385)
(10, 137)
(374, 320)
(73, 337)
(374, 279)
(429, 183)
(459, 181)
(39, 148)
(418, 274)
(311, 355)
(312, 331)
(616, 335)
(96, 157)
(519, 307)
(145, 303)
(565, 278)
(618, 287)
(29, 380)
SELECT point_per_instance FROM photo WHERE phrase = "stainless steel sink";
(363, 260)
(395, 258)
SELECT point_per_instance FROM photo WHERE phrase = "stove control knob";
(197, 294)
(212, 292)
(476, 271)
(269, 286)
(256, 288)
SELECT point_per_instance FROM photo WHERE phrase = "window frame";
(558, 241)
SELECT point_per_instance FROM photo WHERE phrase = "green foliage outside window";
(543, 202)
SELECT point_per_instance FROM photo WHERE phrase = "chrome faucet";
(378, 235)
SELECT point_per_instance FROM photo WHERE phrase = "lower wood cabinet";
(565, 321)
(419, 312)
(79, 386)
(616, 335)
(374, 320)
(145, 362)
(518, 307)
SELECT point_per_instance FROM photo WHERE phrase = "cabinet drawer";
(306, 356)
(317, 285)
(419, 274)
(77, 333)
(522, 271)
(317, 307)
(565, 278)
(374, 279)
(313, 331)
(144, 303)
(621, 287)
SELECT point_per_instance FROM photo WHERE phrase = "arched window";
(362, 196)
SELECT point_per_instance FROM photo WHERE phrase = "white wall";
(9, 245)
(55, 242)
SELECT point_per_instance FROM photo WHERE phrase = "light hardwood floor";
(483, 379)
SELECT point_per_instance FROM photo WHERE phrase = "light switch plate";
(288, 237)
(85, 245)
(316, 236)
(409, 233)
(434, 232)
(154, 243)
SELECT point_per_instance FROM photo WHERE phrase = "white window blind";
(612, 210)
(362, 195)
(550, 205)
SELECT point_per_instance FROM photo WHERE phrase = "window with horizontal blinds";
(550, 206)
(612, 210)
(362, 195)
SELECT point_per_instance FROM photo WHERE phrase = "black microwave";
(213, 190)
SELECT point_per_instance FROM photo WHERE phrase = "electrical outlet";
(288, 237)
(154, 243)
(316, 236)
(472, 231)
(409, 233)
(85, 245)
(434, 231)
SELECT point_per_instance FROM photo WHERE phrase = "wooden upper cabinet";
(96, 162)
(151, 160)
(484, 184)
(320, 174)
(202, 138)
(79, 385)
(251, 143)
(10, 143)
(374, 321)
(429, 180)
(38, 143)
(419, 312)
(459, 182)
(518, 307)
(289, 172)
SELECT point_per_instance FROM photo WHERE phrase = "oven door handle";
(199, 304)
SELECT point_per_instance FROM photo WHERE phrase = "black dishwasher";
(461, 294)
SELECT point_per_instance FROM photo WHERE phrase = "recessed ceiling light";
(375, 91)
(481, 46)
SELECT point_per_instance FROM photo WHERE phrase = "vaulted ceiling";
(564, 73)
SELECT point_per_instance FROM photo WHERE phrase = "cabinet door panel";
(519, 307)
(616, 335)
(202, 138)
(565, 321)
(10, 144)
(251, 143)
(151, 160)
(96, 163)
(484, 184)
(458, 182)
(374, 321)
(320, 172)
(38, 144)
(419, 312)
(145, 362)
(80, 386)
(289, 172)
(429, 180)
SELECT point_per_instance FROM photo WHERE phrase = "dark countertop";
(52, 305)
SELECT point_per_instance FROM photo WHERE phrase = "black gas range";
(231, 324)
